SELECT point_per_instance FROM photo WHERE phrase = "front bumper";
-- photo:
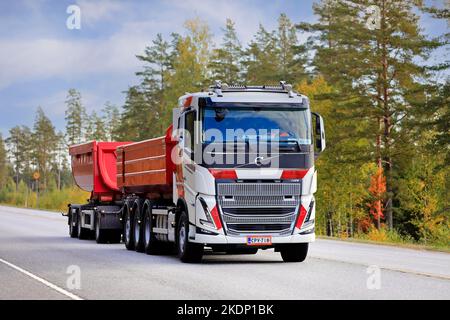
(233, 240)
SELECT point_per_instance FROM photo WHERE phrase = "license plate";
(259, 240)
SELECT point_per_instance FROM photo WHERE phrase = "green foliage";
(111, 121)
(44, 143)
(226, 61)
(3, 163)
(381, 105)
(55, 199)
(75, 117)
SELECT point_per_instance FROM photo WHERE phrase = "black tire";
(101, 235)
(295, 252)
(115, 236)
(151, 244)
(138, 229)
(187, 251)
(128, 230)
(83, 233)
(73, 227)
(242, 251)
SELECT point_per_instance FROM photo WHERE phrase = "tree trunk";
(386, 120)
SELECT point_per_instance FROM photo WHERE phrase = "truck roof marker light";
(187, 102)
(224, 174)
(301, 217)
(293, 174)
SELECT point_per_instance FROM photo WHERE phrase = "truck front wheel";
(187, 251)
(295, 252)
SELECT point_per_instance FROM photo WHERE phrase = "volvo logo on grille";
(259, 161)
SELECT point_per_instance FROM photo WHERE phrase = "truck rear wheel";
(137, 226)
(295, 252)
(115, 236)
(83, 233)
(187, 251)
(151, 244)
(128, 231)
(73, 227)
(101, 236)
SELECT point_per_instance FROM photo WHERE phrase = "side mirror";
(319, 133)
(176, 112)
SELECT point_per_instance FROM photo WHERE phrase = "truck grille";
(259, 208)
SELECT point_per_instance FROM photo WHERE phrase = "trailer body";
(146, 168)
(94, 168)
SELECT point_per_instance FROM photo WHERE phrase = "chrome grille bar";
(258, 189)
(259, 220)
(258, 201)
(259, 208)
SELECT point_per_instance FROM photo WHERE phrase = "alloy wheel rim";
(127, 229)
(147, 230)
(182, 239)
(136, 230)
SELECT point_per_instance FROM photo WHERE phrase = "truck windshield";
(229, 124)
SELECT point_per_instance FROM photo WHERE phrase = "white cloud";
(246, 17)
(95, 11)
(25, 60)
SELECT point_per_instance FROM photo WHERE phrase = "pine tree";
(3, 163)
(95, 128)
(75, 116)
(158, 61)
(111, 119)
(60, 158)
(44, 143)
(19, 145)
(261, 58)
(291, 56)
(191, 58)
(376, 71)
(133, 124)
(226, 61)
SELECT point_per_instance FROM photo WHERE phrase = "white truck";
(234, 173)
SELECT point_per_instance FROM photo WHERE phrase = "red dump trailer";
(115, 173)
(94, 170)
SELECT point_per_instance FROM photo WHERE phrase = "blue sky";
(40, 58)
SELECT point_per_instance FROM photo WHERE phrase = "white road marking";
(43, 281)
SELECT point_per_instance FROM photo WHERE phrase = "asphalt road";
(36, 252)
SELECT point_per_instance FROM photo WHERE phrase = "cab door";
(188, 138)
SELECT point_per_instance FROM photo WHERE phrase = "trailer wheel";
(138, 226)
(295, 252)
(187, 251)
(115, 236)
(128, 229)
(151, 244)
(73, 229)
(83, 233)
(100, 235)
